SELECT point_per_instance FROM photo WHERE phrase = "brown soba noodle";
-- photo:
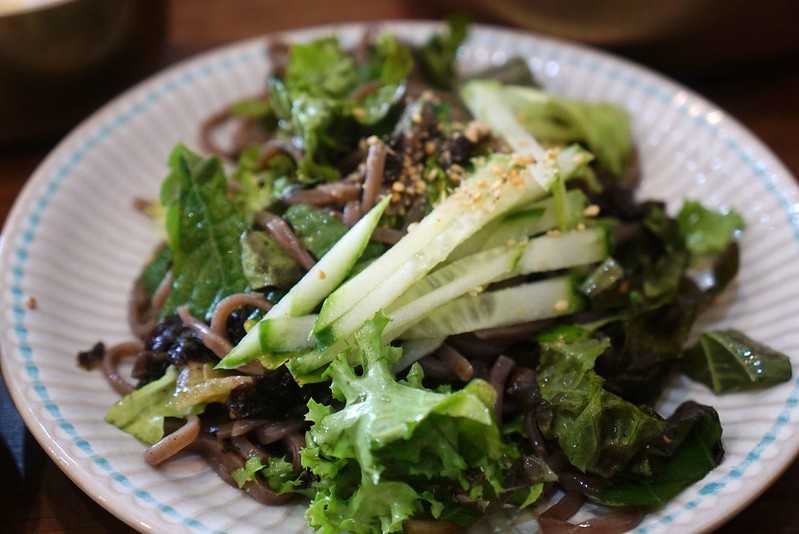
(110, 364)
(216, 343)
(285, 237)
(173, 443)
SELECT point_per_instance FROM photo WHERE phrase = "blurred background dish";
(687, 35)
(61, 58)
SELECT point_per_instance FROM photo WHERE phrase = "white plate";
(74, 243)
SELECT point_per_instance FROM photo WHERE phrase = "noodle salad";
(411, 298)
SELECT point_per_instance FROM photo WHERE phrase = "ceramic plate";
(74, 242)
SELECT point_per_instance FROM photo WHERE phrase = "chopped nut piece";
(399, 187)
(561, 306)
(322, 275)
(31, 303)
(591, 211)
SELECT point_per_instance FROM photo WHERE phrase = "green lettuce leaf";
(706, 231)
(155, 271)
(438, 55)
(688, 449)
(203, 229)
(598, 431)
(394, 448)
(320, 68)
(279, 474)
(603, 128)
(141, 413)
(317, 229)
(727, 360)
(266, 263)
(389, 65)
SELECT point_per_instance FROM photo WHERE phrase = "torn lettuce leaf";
(203, 228)
(397, 439)
(155, 271)
(438, 55)
(707, 231)
(266, 263)
(727, 360)
(689, 448)
(316, 228)
(388, 66)
(141, 413)
(598, 431)
(279, 474)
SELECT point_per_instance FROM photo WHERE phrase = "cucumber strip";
(570, 249)
(332, 269)
(414, 350)
(485, 100)
(317, 284)
(286, 334)
(495, 188)
(528, 302)
(527, 221)
(449, 283)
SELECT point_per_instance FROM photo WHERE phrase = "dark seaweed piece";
(90, 359)
(274, 395)
(149, 366)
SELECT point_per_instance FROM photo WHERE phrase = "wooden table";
(38, 498)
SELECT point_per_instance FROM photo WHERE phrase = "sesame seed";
(322, 275)
(554, 233)
(399, 187)
(561, 306)
(591, 211)
(580, 227)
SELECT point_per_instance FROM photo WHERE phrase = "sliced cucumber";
(449, 283)
(495, 188)
(332, 269)
(528, 302)
(570, 249)
(317, 284)
(414, 350)
(287, 334)
(484, 98)
(527, 221)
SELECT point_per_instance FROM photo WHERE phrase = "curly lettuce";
(397, 450)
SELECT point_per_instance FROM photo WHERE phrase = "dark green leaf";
(437, 56)
(689, 448)
(706, 231)
(156, 270)
(602, 279)
(203, 229)
(317, 229)
(265, 263)
(727, 360)
(598, 431)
